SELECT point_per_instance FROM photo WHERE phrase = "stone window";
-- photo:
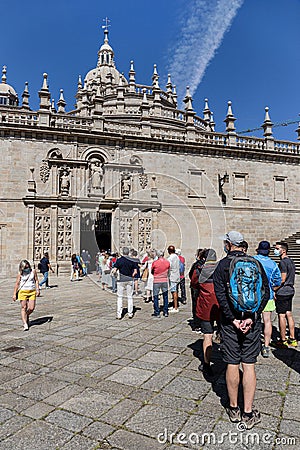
(280, 189)
(240, 186)
(196, 183)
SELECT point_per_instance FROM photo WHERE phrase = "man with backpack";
(242, 290)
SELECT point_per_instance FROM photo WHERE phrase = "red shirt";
(160, 269)
(207, 306)
(182, 259)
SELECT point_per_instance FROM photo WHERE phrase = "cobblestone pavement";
(80, 379)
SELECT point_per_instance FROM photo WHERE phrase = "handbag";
(106, 271)
(145, 274)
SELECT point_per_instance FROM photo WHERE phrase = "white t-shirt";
(27, 282)
(174, 274)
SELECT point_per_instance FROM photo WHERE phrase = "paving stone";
(36, 436)
(171, 401)
(152, 420)
(5, 414)
(38, 410)
(121, 412)
(70, 421)
(162, 358)
(132, 441)
(91, 403)
(65, 375)
(161, 379)
(12, 425)
(98, 431)
(187, 388)
(41, 388)
(106, 370)
(64, 394)
(131, 376)
(80, 443)
(15, 402)
(83, 366)
(290, 428)
(291, 407)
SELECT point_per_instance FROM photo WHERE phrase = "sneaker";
(166, 315)
(251, 421)
(292, 342)
(119, 317)
(155, 315)
(234, 414)
(26, 327)
(280, 344)
(265, 352)
(173, 310)
(130, 316)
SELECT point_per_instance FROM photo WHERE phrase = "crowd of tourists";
(230, 298)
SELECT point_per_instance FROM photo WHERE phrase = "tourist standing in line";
(207, 307)
(181, 284)
(105, 268)
(127, 269)
(240, 330)
(112, 263)
(284, 296)
(160, 270)
(174, 277)
(44, 266)
(74, 268)
(134, 256)
(197, 265)
(274, 277)
(147, 268)
(27, 288)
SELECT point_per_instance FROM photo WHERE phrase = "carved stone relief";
(42, 232)
(44, 171)
(143, 179)
(125, 185)
(126, 237)
(145, 228)
(64, 238)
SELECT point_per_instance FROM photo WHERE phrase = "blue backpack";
(245, 288)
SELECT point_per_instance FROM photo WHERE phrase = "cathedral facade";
(127, 167)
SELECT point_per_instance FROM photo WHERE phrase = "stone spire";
(61, 103)
(155, 77)
(268, 130)
(206, 112)
(169, 87)
(298, 132)
(230, 119)
(4, 74)
(52, 106)
(106, 53)
(44, 94)
(174, 95)
(131, 78)
(267, 125)
(212, 123)
(188, 101)
(25, 97)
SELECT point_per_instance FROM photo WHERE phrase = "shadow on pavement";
(41, 320)
(289, 356)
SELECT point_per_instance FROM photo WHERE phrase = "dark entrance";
(103, 230)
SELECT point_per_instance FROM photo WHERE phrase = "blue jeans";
(114, 284)
(164, 288)
(45, 279)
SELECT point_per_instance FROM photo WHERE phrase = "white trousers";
(121, 285)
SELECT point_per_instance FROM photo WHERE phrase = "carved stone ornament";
(136, 160)
(143, 179)
(44, 171)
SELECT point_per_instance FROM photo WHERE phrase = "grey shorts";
(237, 347)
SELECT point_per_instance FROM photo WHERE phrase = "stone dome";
(8, 95)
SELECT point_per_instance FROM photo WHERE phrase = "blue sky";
(255, 63)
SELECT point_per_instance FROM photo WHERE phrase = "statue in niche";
(126, 185)
(96, 175)
(64, 182)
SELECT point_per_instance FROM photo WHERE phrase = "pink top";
(160, 269)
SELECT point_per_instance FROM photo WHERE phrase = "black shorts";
(283, 303)
(206, 326)
(237, 347)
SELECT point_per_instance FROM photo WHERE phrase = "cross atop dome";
(105, 28)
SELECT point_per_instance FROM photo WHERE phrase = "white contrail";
(203, 29)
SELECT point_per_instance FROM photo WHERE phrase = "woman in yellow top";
(27, 287)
